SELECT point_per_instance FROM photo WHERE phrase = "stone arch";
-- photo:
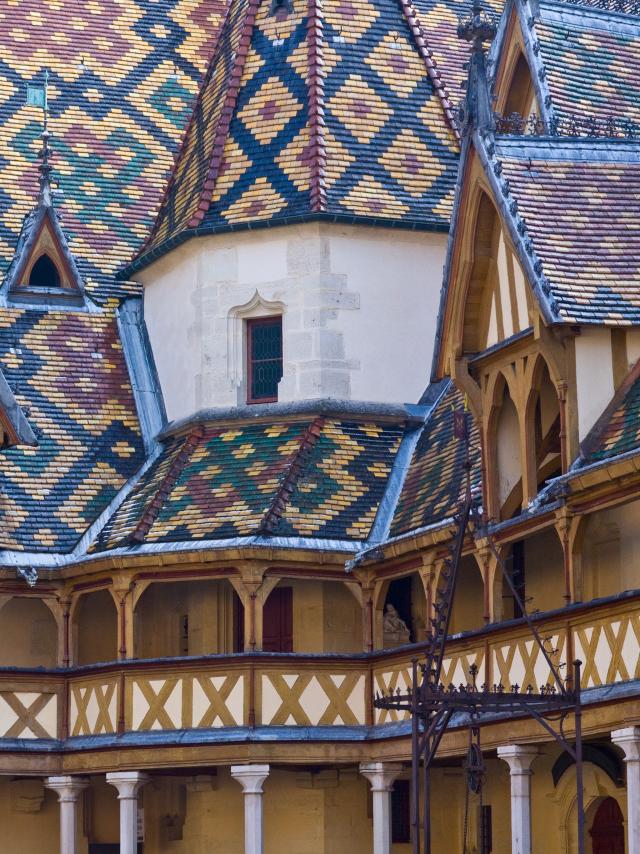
(597, 787)
(29, 631)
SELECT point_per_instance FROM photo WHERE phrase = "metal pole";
(579, 783)
(415, 762)
(426, 784)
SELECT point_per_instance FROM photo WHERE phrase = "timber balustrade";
(283, 690)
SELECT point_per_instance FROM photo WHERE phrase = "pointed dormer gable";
(571, 65)
(43, 270)
(488, 299)
(517, 87)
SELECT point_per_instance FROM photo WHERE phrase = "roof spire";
(477, 112)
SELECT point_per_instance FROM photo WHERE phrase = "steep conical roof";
(328, 108)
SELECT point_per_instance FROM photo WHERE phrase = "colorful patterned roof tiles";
(68, 374)
(581, 206)
(322, 478)
(435, 481)
(328, 108)
(123, 75)
(591, 62)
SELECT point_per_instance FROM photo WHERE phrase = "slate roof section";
(319, 477)
(580, 202)
(435, 481)
(591, 60)
(115, 126)
(68, 374)
(335, 108)
(617, 431)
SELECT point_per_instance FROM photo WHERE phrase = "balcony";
(273, 696)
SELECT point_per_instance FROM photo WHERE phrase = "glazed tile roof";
(117, 116)
(439, 19)
(591, 61)
(580, 201)
(617, 431)
(320, 478)
(435, 481)
(333, 109)
(115, 125)
(68, 374)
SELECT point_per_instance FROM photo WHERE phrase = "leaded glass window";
(264, 358)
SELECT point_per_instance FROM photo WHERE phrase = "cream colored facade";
(358, 306)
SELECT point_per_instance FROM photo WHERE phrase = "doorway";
(277, 621)
(607, 831)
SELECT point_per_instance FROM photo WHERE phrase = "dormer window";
(264, 359)
(44, 274)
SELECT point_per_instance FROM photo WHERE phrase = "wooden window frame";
(251, 324)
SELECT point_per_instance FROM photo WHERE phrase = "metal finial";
(479, 27)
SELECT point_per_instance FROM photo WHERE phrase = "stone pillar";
(381, 776)
(128, 784)
(629, 740)
(251, 778)
(68, 790)
(519, 758)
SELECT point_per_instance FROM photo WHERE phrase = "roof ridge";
(187, 128)
(152, 510)
(285, 490)
(185, 134)
(226, 114)
(422, 43)
(595, 435)
(315, 106)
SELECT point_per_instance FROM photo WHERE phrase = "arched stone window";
(44, 273)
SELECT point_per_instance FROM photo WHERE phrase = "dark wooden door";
(277, 621)
(607, 832)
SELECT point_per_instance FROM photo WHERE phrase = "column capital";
(128, 783)
(628, 739)
(67, 788)
(250, 777)
(519, 757)
(381, 775)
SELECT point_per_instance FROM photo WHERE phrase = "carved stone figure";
(394, 628)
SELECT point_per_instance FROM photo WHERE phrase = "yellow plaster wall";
(610, 554)
(96, 628)
(342, 619)
(544, 571)
(29, 634)
(102, 813)
(159, 612)
(468, 600)
(26, 832)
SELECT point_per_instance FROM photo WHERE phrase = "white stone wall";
(359, 310)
